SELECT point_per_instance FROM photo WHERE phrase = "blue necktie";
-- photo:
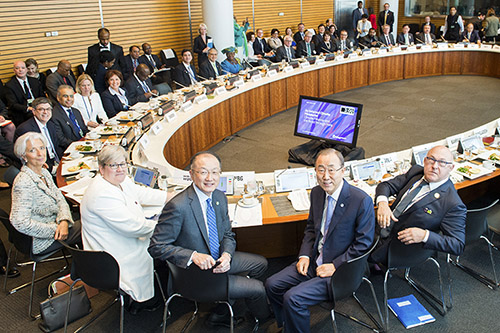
(213, 236)
(27, 90)
(328, 219)
(75, 125)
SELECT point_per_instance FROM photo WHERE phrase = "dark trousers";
(243, 283)
(74, 237)
(291, 294)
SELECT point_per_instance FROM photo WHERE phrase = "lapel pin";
(341, 205)
(436, 195)
(428, 211)
(217, 203)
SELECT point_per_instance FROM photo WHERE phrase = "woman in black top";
(32, 67)
(202, 44)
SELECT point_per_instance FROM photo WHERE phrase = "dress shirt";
(104, 48)
(427, 39)
(288, 53)
(151, 60)
(190, 72)
(387, 40)
(407, 39)
(214, 65)
(44, 130)
(121, 95)
(23, 83)
(143, 84)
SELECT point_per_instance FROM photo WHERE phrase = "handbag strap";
(49, 289)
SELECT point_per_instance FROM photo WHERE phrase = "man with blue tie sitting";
(306, 47)
(184, 73)
(194, 229)
(340, 227)
(139, 86)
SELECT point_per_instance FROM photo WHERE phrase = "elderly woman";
(88, 101)
(113, 220)
(38, 207)
(231, 64)
(114, 99)
(202, 43)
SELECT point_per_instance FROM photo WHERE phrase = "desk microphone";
(183, 86)
(327, 51)
(202, 77)
(282, 172)
(444, 40)
(421, 41)
(366, 47)
(246, 62)
(226, 71)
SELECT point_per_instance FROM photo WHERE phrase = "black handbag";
(53, 309)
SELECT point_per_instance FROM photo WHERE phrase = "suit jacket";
(281, 53)
(257, 47)
(474, 36)
(135, 92)
(301, 50)
(347, 43)
(93, 58)
(420, 38)
(181, 75)
(30, 125)
(17, 101)
(433, 28)
(383, 39)
(351, 231)
(401, 38)
(389, 21)
(322, 48)
(152, 67)
(198, 46)
(356, 16)
(112, 104)
(65, 131)
(367, 40)
(441, 211)
(317, 39)
(207, 70)
(297, 37)
(53, 82)
(128, 66)
(181, 228)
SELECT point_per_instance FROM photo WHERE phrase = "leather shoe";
(12, 273)
(215, 319)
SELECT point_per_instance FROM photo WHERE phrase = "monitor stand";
(306, 153)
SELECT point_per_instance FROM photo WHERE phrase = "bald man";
(427, 208)
(61, 76)
(139, 86)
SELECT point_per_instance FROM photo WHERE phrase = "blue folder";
(409, 311)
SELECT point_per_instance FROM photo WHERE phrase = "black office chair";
(476, 228)
(99, 270)
(170, 61)
(81, 69)
(414, 28)
(23, 244)
(401, 256)
(346, 281)
(197, 285)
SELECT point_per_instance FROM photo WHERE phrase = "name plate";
(352, 55)
(396, 49)
(340, 57)
(459, 46)
(256, 78)
(473, 46)
(288, 69)
(144, 141)
(426, 47)
(305, 64)
(486, 46)
(220, 91)
(158, 127)
(411, 48)
(201, 99)
(382, 51)
(239, 83)
(367, 53)
(319, 61)
(495, 47)
(272, 73)
(442, 46)
(187, 106)
(171, 116)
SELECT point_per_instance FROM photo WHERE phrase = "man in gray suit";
(58, 78)
(194, 229)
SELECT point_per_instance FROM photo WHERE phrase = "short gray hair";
(21, 143)
(329, 151)
(110, 154)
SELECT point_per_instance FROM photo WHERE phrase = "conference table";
(197, 127)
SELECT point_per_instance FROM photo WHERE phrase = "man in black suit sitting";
(286, 51)
(260, 46)
(104, 45)
(184, 73)
(139, 87)
(211, 68)
(386, 37)
(20, 92)
(306, 48)
(343, 43)
(405, 37)
(160, 80)
(426, 37)
(370, 40)
(40, 122)
(300, 34)
(470, 35)
(68, 121)
(131, 61)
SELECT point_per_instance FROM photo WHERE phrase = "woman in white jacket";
(113, 220)
(88, 101)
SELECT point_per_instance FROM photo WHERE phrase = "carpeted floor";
(422, 110)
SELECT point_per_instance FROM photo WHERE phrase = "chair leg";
(97, 315)
(192, 317)
(165, 311)
(448, 270)
(232, 316)
(68, 305)
(334, 322)
(490, 245)
(30, 307)
(122, 314)
(379, 325)
(386, 278)
(7, 269)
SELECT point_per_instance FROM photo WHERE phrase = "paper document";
(245, 216)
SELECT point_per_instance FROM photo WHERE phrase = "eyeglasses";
(441, 163)
(114, 166)
(331, 171)
(204, 173)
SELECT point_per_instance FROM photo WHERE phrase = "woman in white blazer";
(88, 101)
(113, 220)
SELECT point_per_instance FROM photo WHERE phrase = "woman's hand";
(62, 231)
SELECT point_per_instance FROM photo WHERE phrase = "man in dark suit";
(260, 46)
(160, 80)
(318, 38)
(470, 35)
(194, 229)
(20, 92)
(300, 34)
(427, 208)
(131, 61)
(70, 125)
(286, 50)
(340, 227)
(386, 37)
(59, 77)
(343, 43)
(139, 87)
(152, 60)
(306, 47)
(370, 40)
(385, 17)
(40, 122)
(211, 68)
(184, 73)
(104, 45)
(426, 37)
(427, 21)
(356, 16)
(405, 37)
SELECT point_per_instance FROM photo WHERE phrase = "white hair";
(21, 143)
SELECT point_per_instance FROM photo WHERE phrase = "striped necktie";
(213, 236)
(328, 219)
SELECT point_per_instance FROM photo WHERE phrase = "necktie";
(385, 18)
(308, 46)
(27, 91)
(213, 236)
(468, 36)
(342, 46)
(427, 39)
(262, 45)
(144, 86)
(405, 202)
(388, 40)
(52, 151)
(324, 231)
(191, 75)
(65, 80)
(74, 123)
(151, 60)
(135, 63)
(407, 41)
(288, 53)
(215, 69)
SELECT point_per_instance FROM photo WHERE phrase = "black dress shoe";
(215, 319)
(12, 273)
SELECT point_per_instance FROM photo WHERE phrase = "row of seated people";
(193, 227)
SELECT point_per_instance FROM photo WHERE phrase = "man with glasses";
(427, 208)
(340, 227)
(211, 68)
(194, 229)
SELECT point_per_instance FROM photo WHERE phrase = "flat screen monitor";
(144, 176)
(328, 120)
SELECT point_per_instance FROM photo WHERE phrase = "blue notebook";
(409, 311)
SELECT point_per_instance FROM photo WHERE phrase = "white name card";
(272, 73)
(158, 127)
(426, 47)
(319, 61)
(239, 83)
(442, 46)
(396, 49)
(144, 141)
(305, 64)
(459, 46)
(473, 46)
(171, 116)
(200, 99)
(288, 69)
(495, 47)
(339, 57)
(256, 78)
(367, 54)
(382, 51)
(486, 46)
(353, 55)
(411, 48)
(220, 91)
(187, 106)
